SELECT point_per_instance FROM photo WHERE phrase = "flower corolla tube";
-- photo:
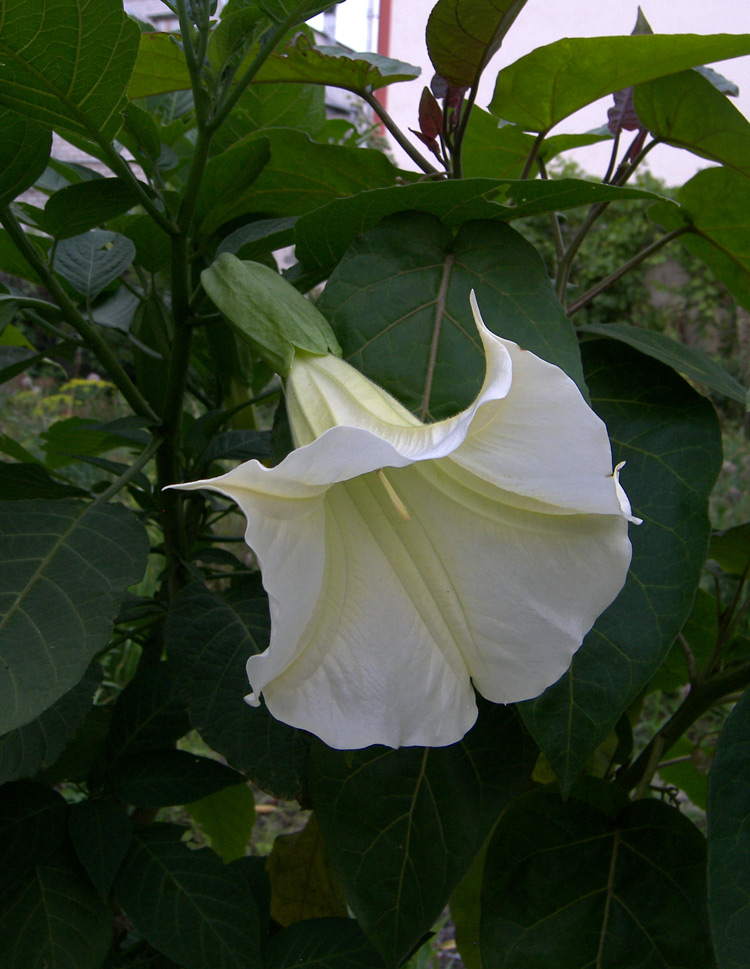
(405, 561)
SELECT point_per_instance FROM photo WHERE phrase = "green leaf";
(52, 916)
(81, 436)
(159, 67)
(715, 204)
(399, 303)
(187, 903)
(258, 238)
(33, 825)
(19, 482)
(700, 632)
(235, 32)
(77, 208)
(729, 839)
(731, 549)
(149, 714)
(403, 826)
(152, 246)
(303, 175)
(226, 188)
(100, 831)
(37, 745)
(266, 311)
(322, 944)
(466, 911)
(300, 106)
(159, 778)
(66, 63)
(550, 83)
(686, 110)
(324, 235)
(26, 148)
(227, 818)
(668, 435)
(90, 261)
(336, 66)
(690, 361)
(279, 10)
(11, 260)
(462, 36)
(567, 880)
(208, 640)
(304, 884)
(65, 569)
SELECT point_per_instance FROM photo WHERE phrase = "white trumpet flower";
(405, 562)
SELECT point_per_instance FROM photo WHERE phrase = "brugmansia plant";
(414, 551)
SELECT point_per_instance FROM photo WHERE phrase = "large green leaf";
(399, 304)
(686, 110)
(715, 203)
(729, 840)
(336, 66)
(37, 745)
(21, 481)
(566, 884)
(551, 82)
(149, 714)
(303, 175)
(322, 944)
(90, 261)
(100, 831)
(188, 904)
(77, 208)
(64, 571)
(160, 67)
(690, 361)
(227, 184)
(403, 826)
(53, 916)
(462, 36)
(159, 778)
(492, 149)
(669, 436)
(209, 639)
(26, 148)
(324, 235)
(66, 63)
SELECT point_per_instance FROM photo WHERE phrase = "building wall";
(544, 21)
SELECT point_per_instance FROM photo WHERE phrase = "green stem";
(703, 696)
(141, 461)
(532, 155)
(71, 314)
(398, 135)
(624, 269)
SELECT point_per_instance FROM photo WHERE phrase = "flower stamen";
(391, 492)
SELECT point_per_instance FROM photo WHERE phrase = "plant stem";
(398, 135)
(458, 140)
(532, 155)
(71, 314)
(624, 269)
(703, 695)
(141, 461)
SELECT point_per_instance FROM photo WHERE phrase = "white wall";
(544, 21)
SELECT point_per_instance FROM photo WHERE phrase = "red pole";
(384, 42)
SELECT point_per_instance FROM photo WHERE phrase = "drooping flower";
(405, 562)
